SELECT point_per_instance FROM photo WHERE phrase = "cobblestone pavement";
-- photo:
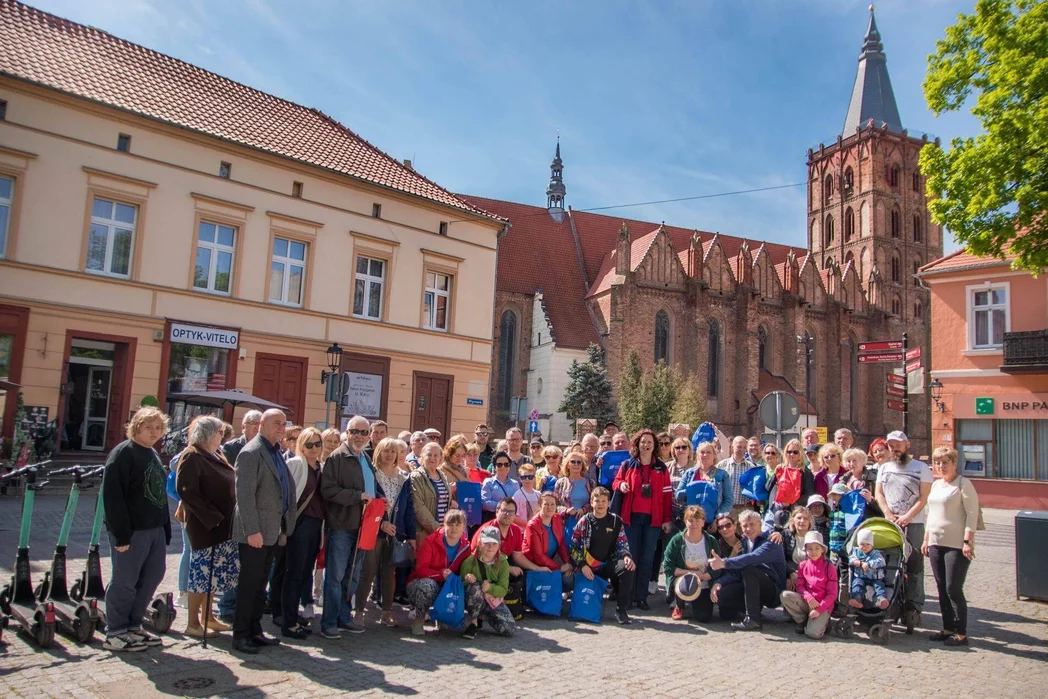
(652, 658)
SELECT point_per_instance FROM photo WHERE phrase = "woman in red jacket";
(544, 541)
(647, 507)
(440, 555)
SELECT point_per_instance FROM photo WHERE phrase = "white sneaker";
(653, 587)
(146, 639)
(182, 600)
(124, 643)
(308, 612)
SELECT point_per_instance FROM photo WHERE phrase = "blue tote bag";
(450, 606)
(754, 482)
(854, 508)
(587, 601)
(704, 494)
(468, 495)
(610, 464)
(544, 592)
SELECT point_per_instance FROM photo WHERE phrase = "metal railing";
(1027, 348)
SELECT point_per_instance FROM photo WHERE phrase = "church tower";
(866, 200)
(555, 191)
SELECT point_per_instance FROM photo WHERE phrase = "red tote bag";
(374, 511)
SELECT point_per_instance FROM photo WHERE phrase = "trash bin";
(1031, 565)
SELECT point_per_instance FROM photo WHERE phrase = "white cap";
(431, 432)
(897, 436)
(816, 498)
(865, 537)
(813, 537)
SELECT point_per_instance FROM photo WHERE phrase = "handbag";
(450, 607)
(544, 592)
(402, 555)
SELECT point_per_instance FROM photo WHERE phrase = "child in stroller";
(867, 568)
(885, 605)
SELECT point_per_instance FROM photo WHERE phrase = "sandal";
(388, 620)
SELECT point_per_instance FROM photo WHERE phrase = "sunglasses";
(314, 445)
(434, 438)
(794, 452)
(726, 525)
(770, 453)
(605, 444)
(482, 434)
(506, 512)
(536, 446)
(527, 478)
(502, 464)
(681, 448)
(358, 433)
(664, 444)
(831, 456)
(576, 463)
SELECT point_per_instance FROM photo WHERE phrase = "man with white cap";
(813, 600)
(902, 490)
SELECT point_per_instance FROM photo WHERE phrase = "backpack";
(450, 606)
(789, 485)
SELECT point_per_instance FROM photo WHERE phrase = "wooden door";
(282, 380)
(117, 413)
(431, 402)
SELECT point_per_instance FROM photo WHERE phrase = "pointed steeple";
(872, 96)
(556, 191)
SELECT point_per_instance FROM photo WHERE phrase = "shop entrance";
(88, 381)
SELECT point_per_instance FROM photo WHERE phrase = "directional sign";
(896, 405)
(882, 346)
(915, 353)
(880, 357)
(895, 391)
(896, 380)
(913, 365)
(533, 427)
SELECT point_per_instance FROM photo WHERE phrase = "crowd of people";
(275, 522)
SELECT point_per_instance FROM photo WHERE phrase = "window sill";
(357, 316)
(211, 292)
(285, 304)
(983, 352)
(108, 275)
(436, 330)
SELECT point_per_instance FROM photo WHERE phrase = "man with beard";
(902, 492)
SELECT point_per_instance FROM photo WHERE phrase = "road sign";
(880, 357)
(913, 365)
(474, 401)
(534, 414)
(779, 411)
(899, 405)
(533, 426)
(896, 379)
(895, 391)
(880, 346)
(915, 353)
(823, 433)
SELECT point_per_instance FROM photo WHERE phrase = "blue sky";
(654, 99)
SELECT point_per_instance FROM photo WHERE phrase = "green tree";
(660, 391)
(631, 387)
(690, 404)
(588, 394)
(991, 190)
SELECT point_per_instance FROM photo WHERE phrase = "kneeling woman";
(440, 555)
(688, 553)
(546, 542)
(486, 575)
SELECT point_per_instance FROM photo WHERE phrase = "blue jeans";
(183, 563)
(339, 582)
(643, 540)
(227, 603)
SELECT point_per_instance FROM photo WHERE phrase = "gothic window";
(849, 181)
(916, 181)
(507, 358)
(849, 224)
(827, 188)
(916, 266)
(713, 356)
(662, 337)
(893, 177)
(918, 311)
(762, 348)
(850, 257)
(916, 228)
(896, 223)
(896, 269)
(853, 379)
(809, 365)
(896, 306)
(829, 231)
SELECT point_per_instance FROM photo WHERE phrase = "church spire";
(872, 96)
(555, 191)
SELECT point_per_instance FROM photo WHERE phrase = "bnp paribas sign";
(984, 406)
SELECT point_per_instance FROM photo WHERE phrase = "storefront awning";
(219, 399)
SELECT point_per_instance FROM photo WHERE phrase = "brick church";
(746, 317)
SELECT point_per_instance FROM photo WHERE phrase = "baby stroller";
(890, 540)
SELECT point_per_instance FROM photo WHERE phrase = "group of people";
(274, 522)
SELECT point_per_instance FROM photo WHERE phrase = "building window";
(829, 231)
(918, 311)
(762, 348)
(827, 188)
(7, 196)
(287, 272)
(3, 110)
(713, 356)
(808, 341)
(443, 228)
(367, 292)
(662, 337)
(507, 359)
(436, 300)
(214, 257)
(194, 368)
(123, 143)
(916, 266)
(225, 170)
(849, 181)
(916, 181)
(895, 223)
(111, 238)
(296, 190)
(376, 211)
(893, 176)
(988, 317)
(896, 269)
(916, 228)
(896, 306)
(849, 224)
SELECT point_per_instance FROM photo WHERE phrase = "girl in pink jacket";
(812, 601)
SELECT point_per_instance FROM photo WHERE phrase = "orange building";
(989, 352)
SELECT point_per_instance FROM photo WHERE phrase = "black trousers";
(301, 555)
(754, 591)
(276, 580)
(701, 607)
(622, 579)
(255, 565)
(950, 568)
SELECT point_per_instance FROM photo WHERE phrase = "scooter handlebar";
(19, 472)
(93, 473)
(68, 469)
(38, 486)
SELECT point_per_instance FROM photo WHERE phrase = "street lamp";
(331, 394)
(334, 357)
(936, 390)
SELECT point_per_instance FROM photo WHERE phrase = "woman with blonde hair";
(527, 497)
(431, 491)
(546, 477)
(792, 539)
(793, 482)
(331, 439)
(300, 554)
(828, 468)
(573, 488)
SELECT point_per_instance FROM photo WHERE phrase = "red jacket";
(536, 542)
(661, 490)
(432, 559)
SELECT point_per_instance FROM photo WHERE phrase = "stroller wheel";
(879, 633)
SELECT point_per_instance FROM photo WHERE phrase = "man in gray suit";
(264, 516)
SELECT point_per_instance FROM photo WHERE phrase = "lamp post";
(331, 378)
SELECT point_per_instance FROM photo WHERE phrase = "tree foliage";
(655, 400)
(991, 190)
(588, 394)
(690, 405)
(631, 387)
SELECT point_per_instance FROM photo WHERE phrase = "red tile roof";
(47, 50)
(960, 260)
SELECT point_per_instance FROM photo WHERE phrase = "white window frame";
(111, 225)
(9, 204)
(287, 263)
(432, 293)
(970, 292)
(215, 249)
(370, 281)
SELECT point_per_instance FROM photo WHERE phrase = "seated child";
(810, 605)
(867, 565)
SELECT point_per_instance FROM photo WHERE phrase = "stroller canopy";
(886, 535)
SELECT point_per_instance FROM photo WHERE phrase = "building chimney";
(407, 164)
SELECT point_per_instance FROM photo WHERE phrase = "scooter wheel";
(84, 626)
(5, 600)
(43, 632)
(75, 593)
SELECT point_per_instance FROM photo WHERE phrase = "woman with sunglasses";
(794, 484)
(707, 470)
(727, 533)
(647, 506)
(573, 489)
(304, 543)
(792, 539)
(665, 449)
(546, 541)
(527, 498)
(431, 492)
(827, 468)
(500, 485)
(546, 477)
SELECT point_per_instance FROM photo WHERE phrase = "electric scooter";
(37, 619)
(74, 617)
(90, 587)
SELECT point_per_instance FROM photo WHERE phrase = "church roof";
(872, 96)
